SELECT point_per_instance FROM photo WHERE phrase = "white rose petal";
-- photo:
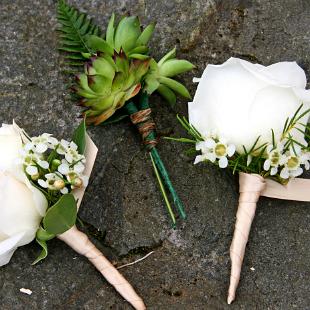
(10, 145)
(243, 101)
(8, 247)
(20, 218)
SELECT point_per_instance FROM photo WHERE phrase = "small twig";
(136, 261)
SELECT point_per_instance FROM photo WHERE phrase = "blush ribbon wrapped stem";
(80, 243)
(251, 187)
(140, 115)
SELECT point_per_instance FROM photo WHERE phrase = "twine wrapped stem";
(141, 117)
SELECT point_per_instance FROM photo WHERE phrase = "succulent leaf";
(146, 34)
(167, 93)
(172, 67)
(139, 50)
(139, 56)
(99, 84)
(169, 55)
(98, 44)
(175, 86)
(103, 67)
(127, 33)
(110, 31)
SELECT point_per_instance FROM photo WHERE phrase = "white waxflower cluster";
(215, 150)
(286, 162)
(55, 165)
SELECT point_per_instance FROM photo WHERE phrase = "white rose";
(22, 206)
(241, 101)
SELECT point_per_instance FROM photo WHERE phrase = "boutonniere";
(115, 76)
(253, 120)
(42, 183)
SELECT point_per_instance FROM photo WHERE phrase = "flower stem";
(150, 142)
(164, 174)
(161, 186)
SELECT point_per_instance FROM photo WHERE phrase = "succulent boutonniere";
(119, 76)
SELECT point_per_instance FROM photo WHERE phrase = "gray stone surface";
(190, 266)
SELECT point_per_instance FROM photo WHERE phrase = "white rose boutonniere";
(254, 120)
(42, 183)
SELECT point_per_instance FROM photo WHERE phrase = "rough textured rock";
(190, 266)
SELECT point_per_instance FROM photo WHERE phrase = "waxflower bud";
(35, 177)
(77, 182)
(59, 184)
(55, 164)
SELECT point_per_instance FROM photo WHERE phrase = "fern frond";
(74, 27)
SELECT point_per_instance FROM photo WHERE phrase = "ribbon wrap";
(80, 243)
(251, 187)
(146, 126)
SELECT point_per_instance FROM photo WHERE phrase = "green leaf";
(183, 140)
(74, 26)
(110, 31)
(43, 235)
(61, 216)
(127, 33)
(167, 93)
(169, 55)
(139, 56)
(151, 83)
(43, 253)
(175, 86)
(98, 44)
(173, 67)
(79, 137)
(142, 49)
(146, 34)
